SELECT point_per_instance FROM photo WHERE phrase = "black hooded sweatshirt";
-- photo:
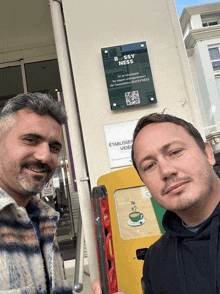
(182, 262)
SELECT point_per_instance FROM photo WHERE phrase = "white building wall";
(192, 65)
(208, 85)
(196, 22)
(186, 32)
(92, 25)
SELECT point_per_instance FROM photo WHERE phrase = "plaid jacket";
(21, 262)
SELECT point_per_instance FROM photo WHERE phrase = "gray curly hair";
(42, 104)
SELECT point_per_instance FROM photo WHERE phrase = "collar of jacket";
(45, 209)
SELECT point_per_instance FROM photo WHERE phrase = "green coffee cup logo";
(136, 216)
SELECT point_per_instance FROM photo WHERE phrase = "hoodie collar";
(172, 223)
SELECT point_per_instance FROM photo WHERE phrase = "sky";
(180, 4)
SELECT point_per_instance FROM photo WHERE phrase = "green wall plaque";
(128, 76)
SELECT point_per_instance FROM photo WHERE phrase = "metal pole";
(79, 270)
(75, 136)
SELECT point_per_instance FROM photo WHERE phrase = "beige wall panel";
(92, 25)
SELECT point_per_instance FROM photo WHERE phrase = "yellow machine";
(136, 224)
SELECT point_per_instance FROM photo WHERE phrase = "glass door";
(61, 192)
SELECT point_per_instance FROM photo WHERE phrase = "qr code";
(132, 98)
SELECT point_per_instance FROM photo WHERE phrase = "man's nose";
(167, 169)
(43, 153)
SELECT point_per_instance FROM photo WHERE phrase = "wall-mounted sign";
(119, 139)
(128, 76)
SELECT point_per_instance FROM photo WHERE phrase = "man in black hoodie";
(176, 165)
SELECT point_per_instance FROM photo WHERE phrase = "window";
(210, 19)
(211, 23)
(11, 83)
(214, 54)
(43, 76)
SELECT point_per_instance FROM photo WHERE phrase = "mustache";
(175, 180)
(37, 164)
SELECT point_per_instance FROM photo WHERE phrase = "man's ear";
(209, 154)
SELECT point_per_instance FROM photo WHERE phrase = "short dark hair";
(42, 104)
(160, 118)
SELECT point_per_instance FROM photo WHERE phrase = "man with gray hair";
(30, 143)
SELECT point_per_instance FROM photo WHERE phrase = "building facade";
(201, 32)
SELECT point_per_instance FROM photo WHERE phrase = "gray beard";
(32, 187)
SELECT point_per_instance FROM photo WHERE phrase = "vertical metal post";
(79, 265)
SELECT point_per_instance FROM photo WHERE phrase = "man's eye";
(30, 140)
(149, 167)
(55, 148)
(175, 152)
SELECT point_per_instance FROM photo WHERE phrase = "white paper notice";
(119, 142)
